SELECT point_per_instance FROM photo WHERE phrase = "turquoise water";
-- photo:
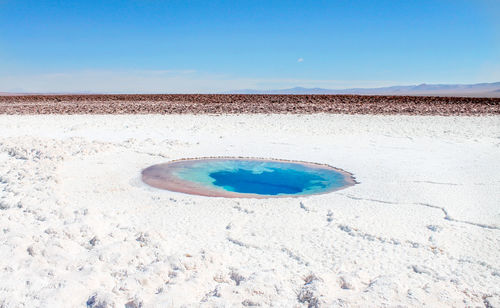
(261, 177)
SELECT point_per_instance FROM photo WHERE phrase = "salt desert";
(80, 228)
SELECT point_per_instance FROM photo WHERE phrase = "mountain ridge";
(478, 89)
(465, 90)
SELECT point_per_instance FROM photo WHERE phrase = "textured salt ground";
(78, 227)
(235, 103)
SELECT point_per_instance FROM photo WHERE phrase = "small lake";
(250, 178)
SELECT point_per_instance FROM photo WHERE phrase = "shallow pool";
(242, 177)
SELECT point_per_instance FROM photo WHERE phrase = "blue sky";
(213, 46)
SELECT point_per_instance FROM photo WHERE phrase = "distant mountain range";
(473, 90)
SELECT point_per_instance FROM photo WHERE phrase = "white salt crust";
(78, 227)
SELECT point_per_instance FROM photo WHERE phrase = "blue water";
(273, 182)
(261, 177)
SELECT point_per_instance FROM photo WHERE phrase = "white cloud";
(300, 60)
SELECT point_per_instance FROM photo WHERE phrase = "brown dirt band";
(233, 104)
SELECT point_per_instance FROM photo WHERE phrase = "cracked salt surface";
(79, 228)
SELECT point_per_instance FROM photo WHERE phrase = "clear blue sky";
(210, 46)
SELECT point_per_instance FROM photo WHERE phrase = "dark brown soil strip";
(223, 104)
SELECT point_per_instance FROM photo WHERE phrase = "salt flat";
(78, 227)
